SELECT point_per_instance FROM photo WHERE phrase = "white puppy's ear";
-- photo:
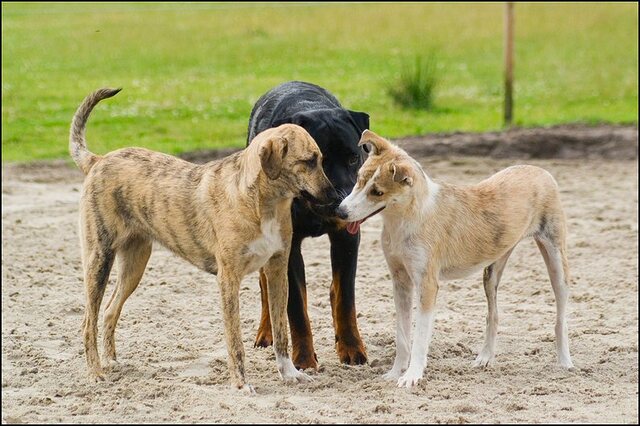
(272, 153)
(402, 173)
(375, 142)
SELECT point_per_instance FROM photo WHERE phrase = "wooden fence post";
(508, 64)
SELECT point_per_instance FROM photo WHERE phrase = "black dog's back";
(286, 100)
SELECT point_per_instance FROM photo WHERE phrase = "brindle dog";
(228, 217)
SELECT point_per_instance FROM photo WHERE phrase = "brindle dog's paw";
(351, 354)
(110, 364)
(96, 376)
(298, 377)
(247, 389)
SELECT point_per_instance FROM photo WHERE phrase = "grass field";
(191, 72)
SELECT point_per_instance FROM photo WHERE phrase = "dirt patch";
(615, 142)
(571, 141)
(170, 336)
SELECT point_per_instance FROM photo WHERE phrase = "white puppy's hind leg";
(555, 259)
(403, 299)
(491, 280)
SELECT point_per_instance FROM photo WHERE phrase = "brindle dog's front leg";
(230, 291)
(275, 271)
(344, 259)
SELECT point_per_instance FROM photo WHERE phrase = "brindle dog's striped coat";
(228, 217)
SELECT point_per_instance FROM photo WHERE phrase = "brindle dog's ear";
(401, 173)
(376, 143)
(272, 153)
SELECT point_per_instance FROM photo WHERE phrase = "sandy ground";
(172, 354)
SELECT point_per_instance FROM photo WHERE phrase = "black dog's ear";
(361, 120)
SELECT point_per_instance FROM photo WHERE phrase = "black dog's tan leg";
(98, 261)
(344, 257)
(131, 259)
(491, 280)
(264, 337)
(278, 287)
(303, 352)
(230, 292)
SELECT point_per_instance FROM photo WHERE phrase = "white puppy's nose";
(342, 211)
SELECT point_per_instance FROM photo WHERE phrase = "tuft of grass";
(415, 88)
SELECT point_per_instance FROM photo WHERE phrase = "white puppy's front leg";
(419, 349)
(423, 331)
(403, 298)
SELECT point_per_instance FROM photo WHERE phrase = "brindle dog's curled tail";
(84, 158)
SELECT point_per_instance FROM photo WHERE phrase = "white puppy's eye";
(376, 193)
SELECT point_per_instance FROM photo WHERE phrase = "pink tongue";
(353, 227)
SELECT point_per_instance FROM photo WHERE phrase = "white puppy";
(436, 231)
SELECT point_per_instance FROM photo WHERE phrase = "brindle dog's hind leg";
(132, 259)
(98, 260)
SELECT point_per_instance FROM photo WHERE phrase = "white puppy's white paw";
(484, 360)
(410, 378)
(566, 363)
(392, 375)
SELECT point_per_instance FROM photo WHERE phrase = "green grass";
(192, 72)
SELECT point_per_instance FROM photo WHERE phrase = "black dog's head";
(337, 132)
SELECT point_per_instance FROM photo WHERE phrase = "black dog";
(337, 132)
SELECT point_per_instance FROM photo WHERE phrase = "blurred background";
(192, 72)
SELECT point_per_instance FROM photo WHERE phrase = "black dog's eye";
(353, 160)
(376, 193)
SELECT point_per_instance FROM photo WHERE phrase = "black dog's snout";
(332, 195)
(341, 212)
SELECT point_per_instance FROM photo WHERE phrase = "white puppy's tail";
(77, 144)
